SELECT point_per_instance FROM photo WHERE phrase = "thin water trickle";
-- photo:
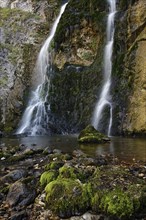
(104, 99)
(35, 118)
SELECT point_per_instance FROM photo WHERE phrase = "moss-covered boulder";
(114, 189)
(117, 203)
(54, 165)
(91, 135)
(70, 197)
(47, 177)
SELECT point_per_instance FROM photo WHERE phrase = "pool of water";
(126, 149)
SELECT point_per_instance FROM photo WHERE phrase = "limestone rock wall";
(78, 58)
(129, 70)
(24, 26)
(79, 45)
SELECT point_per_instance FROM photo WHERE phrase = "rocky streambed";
(38, 183)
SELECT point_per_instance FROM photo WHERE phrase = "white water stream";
(35, 118)
(104, 99)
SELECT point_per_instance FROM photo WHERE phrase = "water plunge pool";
(127, 149)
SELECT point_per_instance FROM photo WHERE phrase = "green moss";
(3, 81)
(28, 180)
(117, 203)
(74, 173)
(91, 135)
(5, 13)
(54, 165)
(67, 172)
(88, 55)
(5, 189)
(29, 152)
(69, 197)
(47, 177)
(17, 158)
(107, 189)
(14, 149)
(8, 13)
(91, 11)
(5, 154)
(142, 200)
(95, 202)
(8, 129)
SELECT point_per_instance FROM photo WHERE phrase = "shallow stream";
(127, 149)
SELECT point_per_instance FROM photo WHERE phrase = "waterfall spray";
(35, 118)
(104, 99)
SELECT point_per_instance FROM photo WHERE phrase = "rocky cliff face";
(129, 69)
(79, 46)
(78, 55)
(24, 25)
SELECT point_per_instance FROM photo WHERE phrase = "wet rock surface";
(79, 45)
(23, 29)
(91, 135)
(29, 187)
(129, 67)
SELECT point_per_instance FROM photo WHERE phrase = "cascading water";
(104, 99)
(35, 118)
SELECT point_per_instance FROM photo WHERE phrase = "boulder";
(13, 176)
(22, 193)
(91, 135)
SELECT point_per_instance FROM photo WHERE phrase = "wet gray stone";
(14, 176)
(21, 193)
(19, 216)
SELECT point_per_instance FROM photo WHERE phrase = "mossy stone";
(117, 203)
(91, 135)
(73, 173)
(47, 177)
(70, 197)
(95, 202)
(54, 165)
(67, 172)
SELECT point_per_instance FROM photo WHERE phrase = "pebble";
(141, 174)
(3, 158)
(54, 158)
(36, 166)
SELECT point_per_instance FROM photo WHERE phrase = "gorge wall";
(129, 68)
(24, 26)
(78, 55)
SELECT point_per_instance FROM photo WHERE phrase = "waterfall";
(104, 99)
(35, 119)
